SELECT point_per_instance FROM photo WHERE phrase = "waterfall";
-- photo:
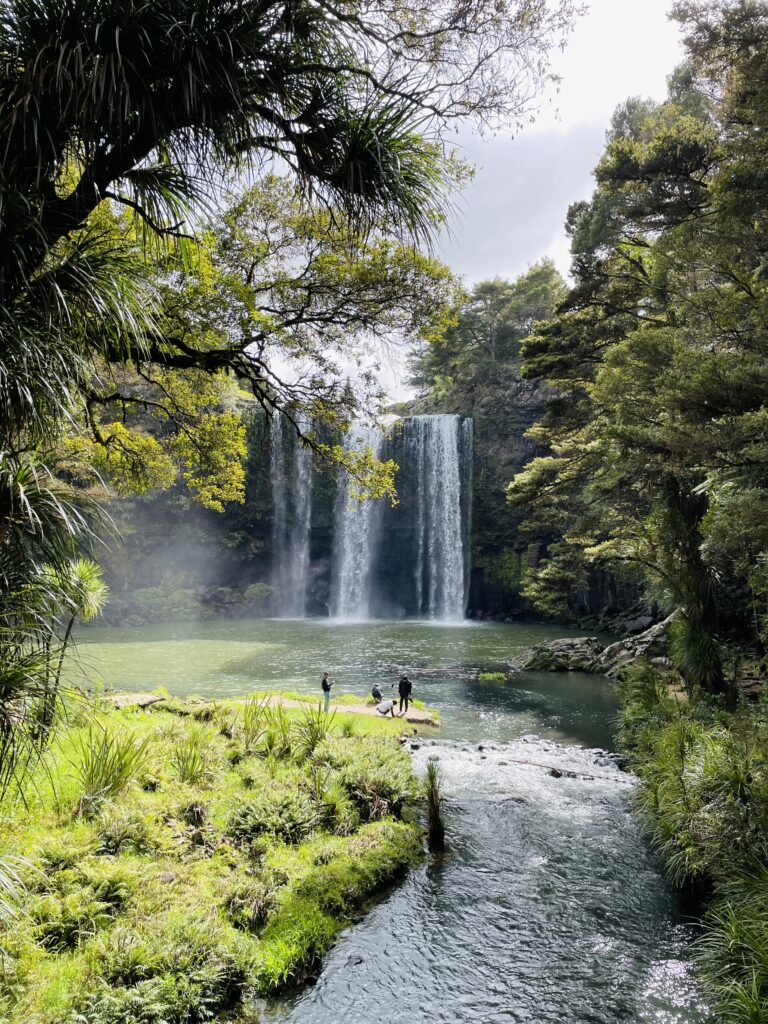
(434, 448)
(356, 538)
(292, 515)
(412, 560)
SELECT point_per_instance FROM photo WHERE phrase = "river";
(548, 907)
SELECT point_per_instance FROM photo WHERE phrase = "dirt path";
(415, 716)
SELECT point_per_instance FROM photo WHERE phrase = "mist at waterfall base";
(408, 560)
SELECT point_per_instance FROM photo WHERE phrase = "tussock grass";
(105, 762)
(434, 800)
(171, 896)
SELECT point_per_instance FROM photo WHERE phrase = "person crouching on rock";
(376, 693)
(404, 689)
(387, 707)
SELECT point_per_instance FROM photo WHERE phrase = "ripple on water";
(547, 909)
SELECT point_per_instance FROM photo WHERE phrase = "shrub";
(250, 903)
(257, 594)
(60, 853)
(119, 830)
(124, 957)
(110, 883)
(105, 763)
(375, 772)
(181, 603)
(491, 677)
(282, 811)
(187, 970)
(191, 756)
(62, 921)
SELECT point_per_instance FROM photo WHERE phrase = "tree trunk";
(697, 654)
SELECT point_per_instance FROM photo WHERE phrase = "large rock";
(587, 654)
(653, 644)
(579, 654)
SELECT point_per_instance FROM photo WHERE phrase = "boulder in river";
(587, 654)
(576, 654)
(652, 644)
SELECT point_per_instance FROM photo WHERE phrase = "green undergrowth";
(703, 801)
(174, 866)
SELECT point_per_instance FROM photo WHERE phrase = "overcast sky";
(512, 213)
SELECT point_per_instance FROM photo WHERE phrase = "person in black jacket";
(404, 689)
(326, 684)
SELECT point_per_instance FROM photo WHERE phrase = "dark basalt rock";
(587, 654)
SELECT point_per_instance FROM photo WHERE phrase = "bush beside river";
(166, 866)
(703, 800)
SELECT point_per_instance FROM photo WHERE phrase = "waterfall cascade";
(434, 449)
(410, 560)
(358, 530)
(291, 465)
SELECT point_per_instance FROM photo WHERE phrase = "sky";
(512, 213)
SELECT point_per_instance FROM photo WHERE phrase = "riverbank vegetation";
(164, 865)
(703, 802)
(655, 430)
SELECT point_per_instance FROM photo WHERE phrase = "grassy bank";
(703, 801)
(176, 862)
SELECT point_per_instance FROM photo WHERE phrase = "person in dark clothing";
(404, 689)
(326, 684)
(376, 693)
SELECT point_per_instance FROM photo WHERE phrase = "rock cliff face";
(500, 554)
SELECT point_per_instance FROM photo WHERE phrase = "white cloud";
(512, 213)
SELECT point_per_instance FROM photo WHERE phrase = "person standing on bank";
(326, 684)
(404, 689)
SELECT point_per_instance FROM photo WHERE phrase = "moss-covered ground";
(177, 860)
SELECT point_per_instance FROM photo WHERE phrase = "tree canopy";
(658, 354)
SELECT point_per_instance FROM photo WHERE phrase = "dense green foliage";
(658, 354)
(176, 860)
(703, 800)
